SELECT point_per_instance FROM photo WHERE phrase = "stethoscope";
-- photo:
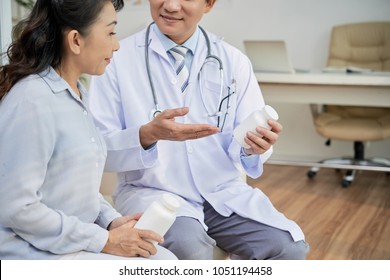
(157, 110)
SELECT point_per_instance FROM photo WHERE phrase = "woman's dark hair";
(38, 40)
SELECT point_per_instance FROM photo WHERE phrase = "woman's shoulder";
(29, 89)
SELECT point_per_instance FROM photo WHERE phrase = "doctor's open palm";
(164, 127)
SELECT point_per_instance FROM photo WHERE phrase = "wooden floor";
(339, 223)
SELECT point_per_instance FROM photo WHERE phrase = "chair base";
(350, 174)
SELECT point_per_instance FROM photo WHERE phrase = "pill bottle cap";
(271, 113)
(170, 202)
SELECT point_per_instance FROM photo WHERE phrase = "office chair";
(363, 45)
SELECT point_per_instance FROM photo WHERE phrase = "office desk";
(325, 88)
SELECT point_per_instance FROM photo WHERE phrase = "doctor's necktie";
(181, 69)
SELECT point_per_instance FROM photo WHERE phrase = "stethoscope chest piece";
(154, 113)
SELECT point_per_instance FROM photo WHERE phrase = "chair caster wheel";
(311, 174)
(345, 183)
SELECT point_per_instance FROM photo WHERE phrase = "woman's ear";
(74, 41)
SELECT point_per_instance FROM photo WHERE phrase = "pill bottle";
(159, 216)
(257, 118)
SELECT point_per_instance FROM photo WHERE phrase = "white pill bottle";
(257, 118)
(160, 215)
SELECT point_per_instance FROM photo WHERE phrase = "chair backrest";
(365, 45)
(357, 111)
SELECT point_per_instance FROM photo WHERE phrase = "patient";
(51, 154)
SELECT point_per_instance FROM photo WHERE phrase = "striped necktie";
(181, 69)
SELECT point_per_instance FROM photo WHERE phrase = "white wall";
(305, 25)
(5, 27)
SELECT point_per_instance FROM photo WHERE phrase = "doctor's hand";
(126, 241)
(164, 127)
(260, 144)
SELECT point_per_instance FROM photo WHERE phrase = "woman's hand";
(123, 220)
(127, 241)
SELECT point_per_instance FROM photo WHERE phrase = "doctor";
(169, 133)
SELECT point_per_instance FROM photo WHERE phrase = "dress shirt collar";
(58, 84)
(169, 44)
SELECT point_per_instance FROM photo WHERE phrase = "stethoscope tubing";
(157, 107)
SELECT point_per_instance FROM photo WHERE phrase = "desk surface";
(326, 88)
(320, 78)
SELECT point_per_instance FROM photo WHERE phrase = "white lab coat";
(207, 168)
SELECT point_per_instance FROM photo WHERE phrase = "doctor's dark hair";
(38, 40)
